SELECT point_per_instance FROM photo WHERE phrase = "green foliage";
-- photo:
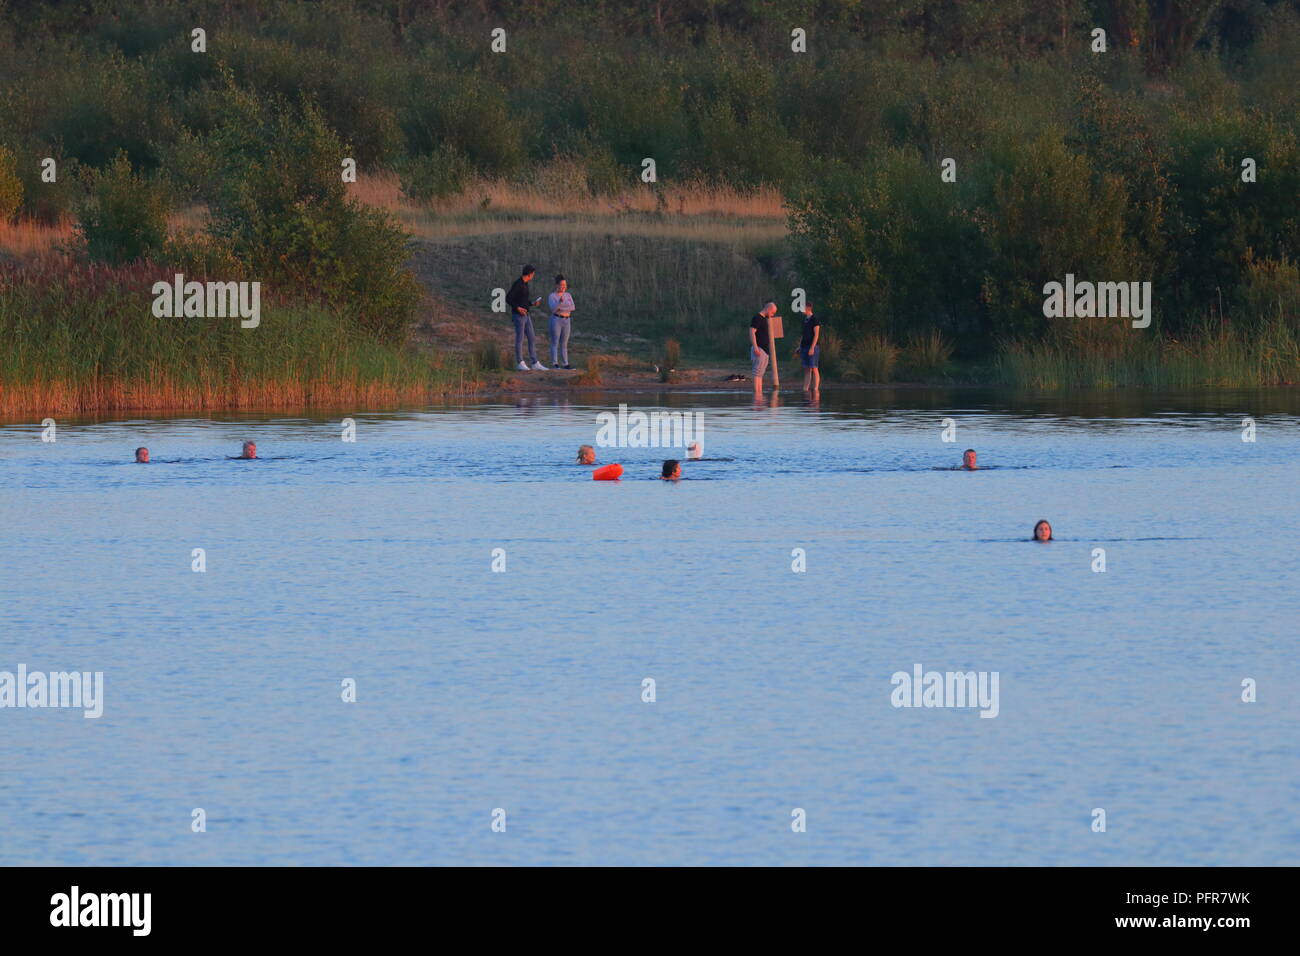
(283, 211)
(1218, 221)
(488, 356)
(873, 357)
(122, 217)
(925, 357)
(468, 112)
(1269, 355)
(893, 251)
(437, 176)
(1269, 295)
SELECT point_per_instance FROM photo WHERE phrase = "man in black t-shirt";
(760, 342)
(520, 299)
(810, 350)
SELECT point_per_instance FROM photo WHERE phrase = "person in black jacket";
(520, 299)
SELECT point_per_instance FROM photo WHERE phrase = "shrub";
(282, 209)
(1270, 293)
(927, 355)
(199, 255)
(438, 175)
(831, 361)
(893, 242)
(488, 356)
(874, 357)
(468, 113)
(122, 217)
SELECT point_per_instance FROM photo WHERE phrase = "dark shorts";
(810, 359)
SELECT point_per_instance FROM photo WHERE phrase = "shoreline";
(380, 399)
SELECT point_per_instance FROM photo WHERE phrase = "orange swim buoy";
(608, 473)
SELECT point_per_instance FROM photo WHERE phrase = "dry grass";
(690, 211)
(31, 239)
(544, 197)
(486, 207)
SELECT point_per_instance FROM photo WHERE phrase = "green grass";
(1225, 359)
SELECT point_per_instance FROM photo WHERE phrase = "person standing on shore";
(561, 306)
(809, 351)
(520, 299)
(760, 342)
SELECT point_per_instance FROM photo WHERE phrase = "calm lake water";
(522, 690)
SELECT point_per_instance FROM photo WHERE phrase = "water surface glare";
(522, 690)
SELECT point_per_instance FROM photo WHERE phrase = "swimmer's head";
(695, 450)
(142, 455)
(672, 470)
(250, 450)
(968, 459)
(586, 455)
(1042, 531)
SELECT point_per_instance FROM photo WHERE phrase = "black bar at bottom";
(335, 905)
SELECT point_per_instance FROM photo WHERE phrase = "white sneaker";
(539, 367)
(522, 366)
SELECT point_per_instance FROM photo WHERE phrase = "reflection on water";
(522, 688)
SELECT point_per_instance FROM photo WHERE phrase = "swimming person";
(809, 351)
(249, 451)
(561, 306)
(694, 451)
(520, 299)
(672, 470)
(1042, 531)
(968, 460)
(142, 455)
(760, 342)
(586, 455)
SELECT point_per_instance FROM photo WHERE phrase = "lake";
(522, 689)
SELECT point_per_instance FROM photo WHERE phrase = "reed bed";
(83, 337)
(1268, 355)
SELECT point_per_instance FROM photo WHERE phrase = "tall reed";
(83, 337)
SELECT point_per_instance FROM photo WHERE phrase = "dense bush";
(123, 216)
(282, 210)
(436, 176)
